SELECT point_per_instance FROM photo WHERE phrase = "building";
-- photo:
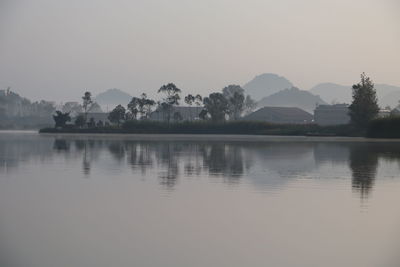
(97, 116)
(185, 114)
(281, 115)
(395, 111)
(383, 113)
(337, 114)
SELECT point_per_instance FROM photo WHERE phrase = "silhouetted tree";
(171, 98)
(91, 123)
(216, 106)
(177, 116)
(236, 105)
(87, 103)
(238, 102)
(61, 119)
(133, 107)
(364, 107)
(198, 100)
(203, 114)
(117, 115)
(80, 121)
(14, 106)
(189, 99)
(145, 106)
(100, 124)
(249, 105)
(234, 94)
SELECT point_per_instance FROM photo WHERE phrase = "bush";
(384, 128)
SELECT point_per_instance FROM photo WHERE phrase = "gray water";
(121, 201)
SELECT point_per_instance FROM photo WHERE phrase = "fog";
(56, 49)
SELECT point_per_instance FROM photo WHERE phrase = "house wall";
(187, 114)
(332, 115)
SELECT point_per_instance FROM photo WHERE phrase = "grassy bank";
(201, 127)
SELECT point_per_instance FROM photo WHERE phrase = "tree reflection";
(223, 159)
(167, 155)
(363, 163)
(86, 163)
(61, 145)
(172, 158)
(117, 150)
(83, 147)
(233, 160)
(139, 156)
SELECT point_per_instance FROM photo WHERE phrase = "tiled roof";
(284, 114)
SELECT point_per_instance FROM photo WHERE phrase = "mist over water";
(105, 201)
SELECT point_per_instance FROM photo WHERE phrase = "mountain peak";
(292, 97)
(266, 84)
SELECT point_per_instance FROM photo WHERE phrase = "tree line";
(229, 104)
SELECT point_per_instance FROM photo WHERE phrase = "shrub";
(384, 128)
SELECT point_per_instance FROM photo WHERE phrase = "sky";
(55, 50)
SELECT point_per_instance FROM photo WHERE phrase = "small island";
(230, 111)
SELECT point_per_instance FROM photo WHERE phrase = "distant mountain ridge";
(392, 99)
(336, 93)
(266, 84)
(292, 97)
(332, 92)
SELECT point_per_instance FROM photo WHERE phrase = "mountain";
(292, 97)
(111, 98)
(388, 95)
(392, 99)
(332, 92)
(266, 84)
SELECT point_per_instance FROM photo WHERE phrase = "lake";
(209, 201)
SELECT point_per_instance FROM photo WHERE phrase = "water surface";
(117, 201)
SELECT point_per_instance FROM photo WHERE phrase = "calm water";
(107, 201)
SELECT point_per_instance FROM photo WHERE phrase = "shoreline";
(219, 137)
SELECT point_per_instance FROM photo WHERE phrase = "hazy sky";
(55, 49)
